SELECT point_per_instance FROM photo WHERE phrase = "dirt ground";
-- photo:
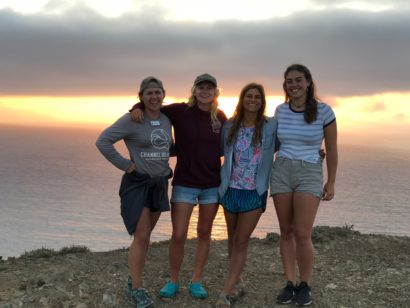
(351, 270)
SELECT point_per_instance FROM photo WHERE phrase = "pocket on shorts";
(278, 163)
(313, 167)
(311, 178)
(279, 175)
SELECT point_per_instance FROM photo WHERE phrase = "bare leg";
(244, 223)
(285, 212)
(207, 213)
(139, 246)
(180, 215)
(231, 222)
(154, 219)
(305, 209)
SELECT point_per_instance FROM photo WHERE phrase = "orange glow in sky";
(66, 111)
(376, 112)
(389, 112)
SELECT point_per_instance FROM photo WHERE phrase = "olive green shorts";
(293, 175)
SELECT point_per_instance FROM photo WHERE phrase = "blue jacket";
(265, 165)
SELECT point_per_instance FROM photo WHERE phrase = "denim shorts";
(293, 175)
(183, 194)
(238, 201)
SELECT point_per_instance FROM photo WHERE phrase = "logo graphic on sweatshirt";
(160, 139)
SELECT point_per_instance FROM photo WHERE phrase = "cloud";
(367, 6)
(379, 106)
(399, 117)
(397, 4)
(83, 53)
(331, 100)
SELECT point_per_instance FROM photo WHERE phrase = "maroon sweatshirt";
(198, 145)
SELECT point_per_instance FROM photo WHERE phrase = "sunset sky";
(80, 62)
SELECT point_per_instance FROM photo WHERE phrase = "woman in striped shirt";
(297, 176)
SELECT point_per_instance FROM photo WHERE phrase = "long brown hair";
(311, 96)
(239, 114)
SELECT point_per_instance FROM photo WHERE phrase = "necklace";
(248, 124)
(297, 106)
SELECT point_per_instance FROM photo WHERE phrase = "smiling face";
(296, 85)
(152, 99)
(252, 101)
(205, 93)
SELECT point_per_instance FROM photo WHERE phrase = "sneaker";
(224, 301)
(286, 296)
(237, 292)
(303, 297)
(169, 290)
(197, 290)
(141, 299)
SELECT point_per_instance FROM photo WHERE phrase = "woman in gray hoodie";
(144, 186)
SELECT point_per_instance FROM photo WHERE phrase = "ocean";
(57, 190)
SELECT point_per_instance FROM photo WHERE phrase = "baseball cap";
(205, 77)
(151, 82)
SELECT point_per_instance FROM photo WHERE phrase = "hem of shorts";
(190, 202)
(183, 201)
(286, 192)
(207, 203)
(261, 207)
(311, 193)
(279, 192)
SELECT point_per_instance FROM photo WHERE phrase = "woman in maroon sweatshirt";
(197, 128)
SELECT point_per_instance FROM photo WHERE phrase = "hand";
(328, 192)
(131, 168)
(322, 154)
(137, 115)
